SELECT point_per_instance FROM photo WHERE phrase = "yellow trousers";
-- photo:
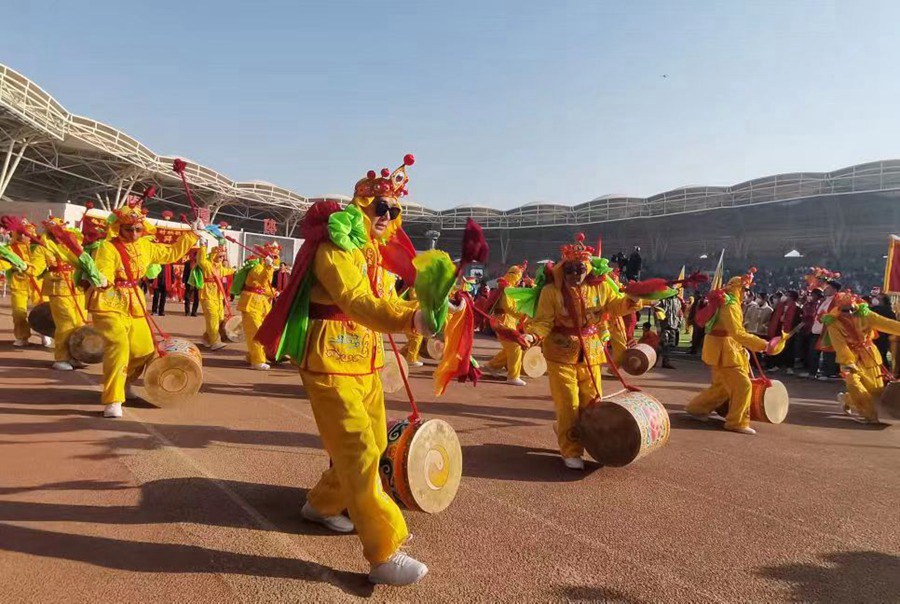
(729, 384)
(412, 348)
(129, 347)
(510, 357)
(251, 320)
(571, 387)
(67, 315)
(19, 301)
(864, 388)
(213, 315)
(349, 412)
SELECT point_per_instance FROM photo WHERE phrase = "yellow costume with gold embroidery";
(25, 286)
(118, 309)
(58, 265)
(723, 352)
(570, 322)
(504, 312)
(212, 294)
(255, 303)
(852, 328)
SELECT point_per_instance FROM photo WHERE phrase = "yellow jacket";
(724, 345)
(854, 342)
(22, 282)
(505, 311)
(121, 295)
(553, 323)
(355, 286)
(214, 273)
(58, 264)
(258, 292)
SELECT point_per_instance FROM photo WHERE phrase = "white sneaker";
(63, 366)
(261, 367)
(47, 341)
(574, 463)
(77, 364)
(338, 524)
(400, 569)
(20, 343)
(416, 364)
(131, 393)
(742, 430)
(516, 382)
(218, 345)
(113, 410)
(789, 371)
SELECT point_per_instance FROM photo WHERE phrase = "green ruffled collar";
(347, 228)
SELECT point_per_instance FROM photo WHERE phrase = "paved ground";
(200, 503)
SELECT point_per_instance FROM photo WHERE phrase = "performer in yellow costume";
(330, 321)
(504, 312)
(58, 265)
(24, 286)
(256, 302)
(212, 296)
(570, 321)
(852, 328)
(118, 305)
(723, 352)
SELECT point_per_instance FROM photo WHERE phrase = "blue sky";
(503, 103)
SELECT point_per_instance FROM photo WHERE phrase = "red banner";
(892, 270)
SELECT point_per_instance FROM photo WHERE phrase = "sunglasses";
(574, 269)
(382, 207)
(133, 229)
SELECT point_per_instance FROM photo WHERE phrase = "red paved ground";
(200, 503)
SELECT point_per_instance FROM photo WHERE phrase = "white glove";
(104, 282)
(420, 325)
(269, 260)
(198, 226)
(528, 338)
(454, 307)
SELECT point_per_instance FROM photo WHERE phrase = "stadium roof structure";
(55, 155)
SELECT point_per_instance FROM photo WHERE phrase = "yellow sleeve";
(203, 261)
(39, 261)
(107, 260)
(162, 253)
(340, 276)
(545, 315)
(730, 318)
(842, 352)
(225, 271)
(883, 324)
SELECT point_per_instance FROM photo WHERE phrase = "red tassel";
(168, 214)
(178, 166)
(643, 288)
(397, 256)
(474, 246)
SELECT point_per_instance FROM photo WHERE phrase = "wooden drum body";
(769, 401)
(391, 380)
(622, 428)
(176, 375)
(639, 359)
(86, 344)
(40, 319)
(422, 465)
(232, 330)
(889, 405)
(533, 362)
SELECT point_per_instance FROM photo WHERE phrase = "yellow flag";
(680, 287)
(717, 276)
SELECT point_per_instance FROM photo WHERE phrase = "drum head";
(435, 349)
(609, 433)
(776, 402)
(889, 407)
(434, 466)
(172, 379)
(40, 319)
(87, 345)
(533, 362)
(391, 380)
(232, 329)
